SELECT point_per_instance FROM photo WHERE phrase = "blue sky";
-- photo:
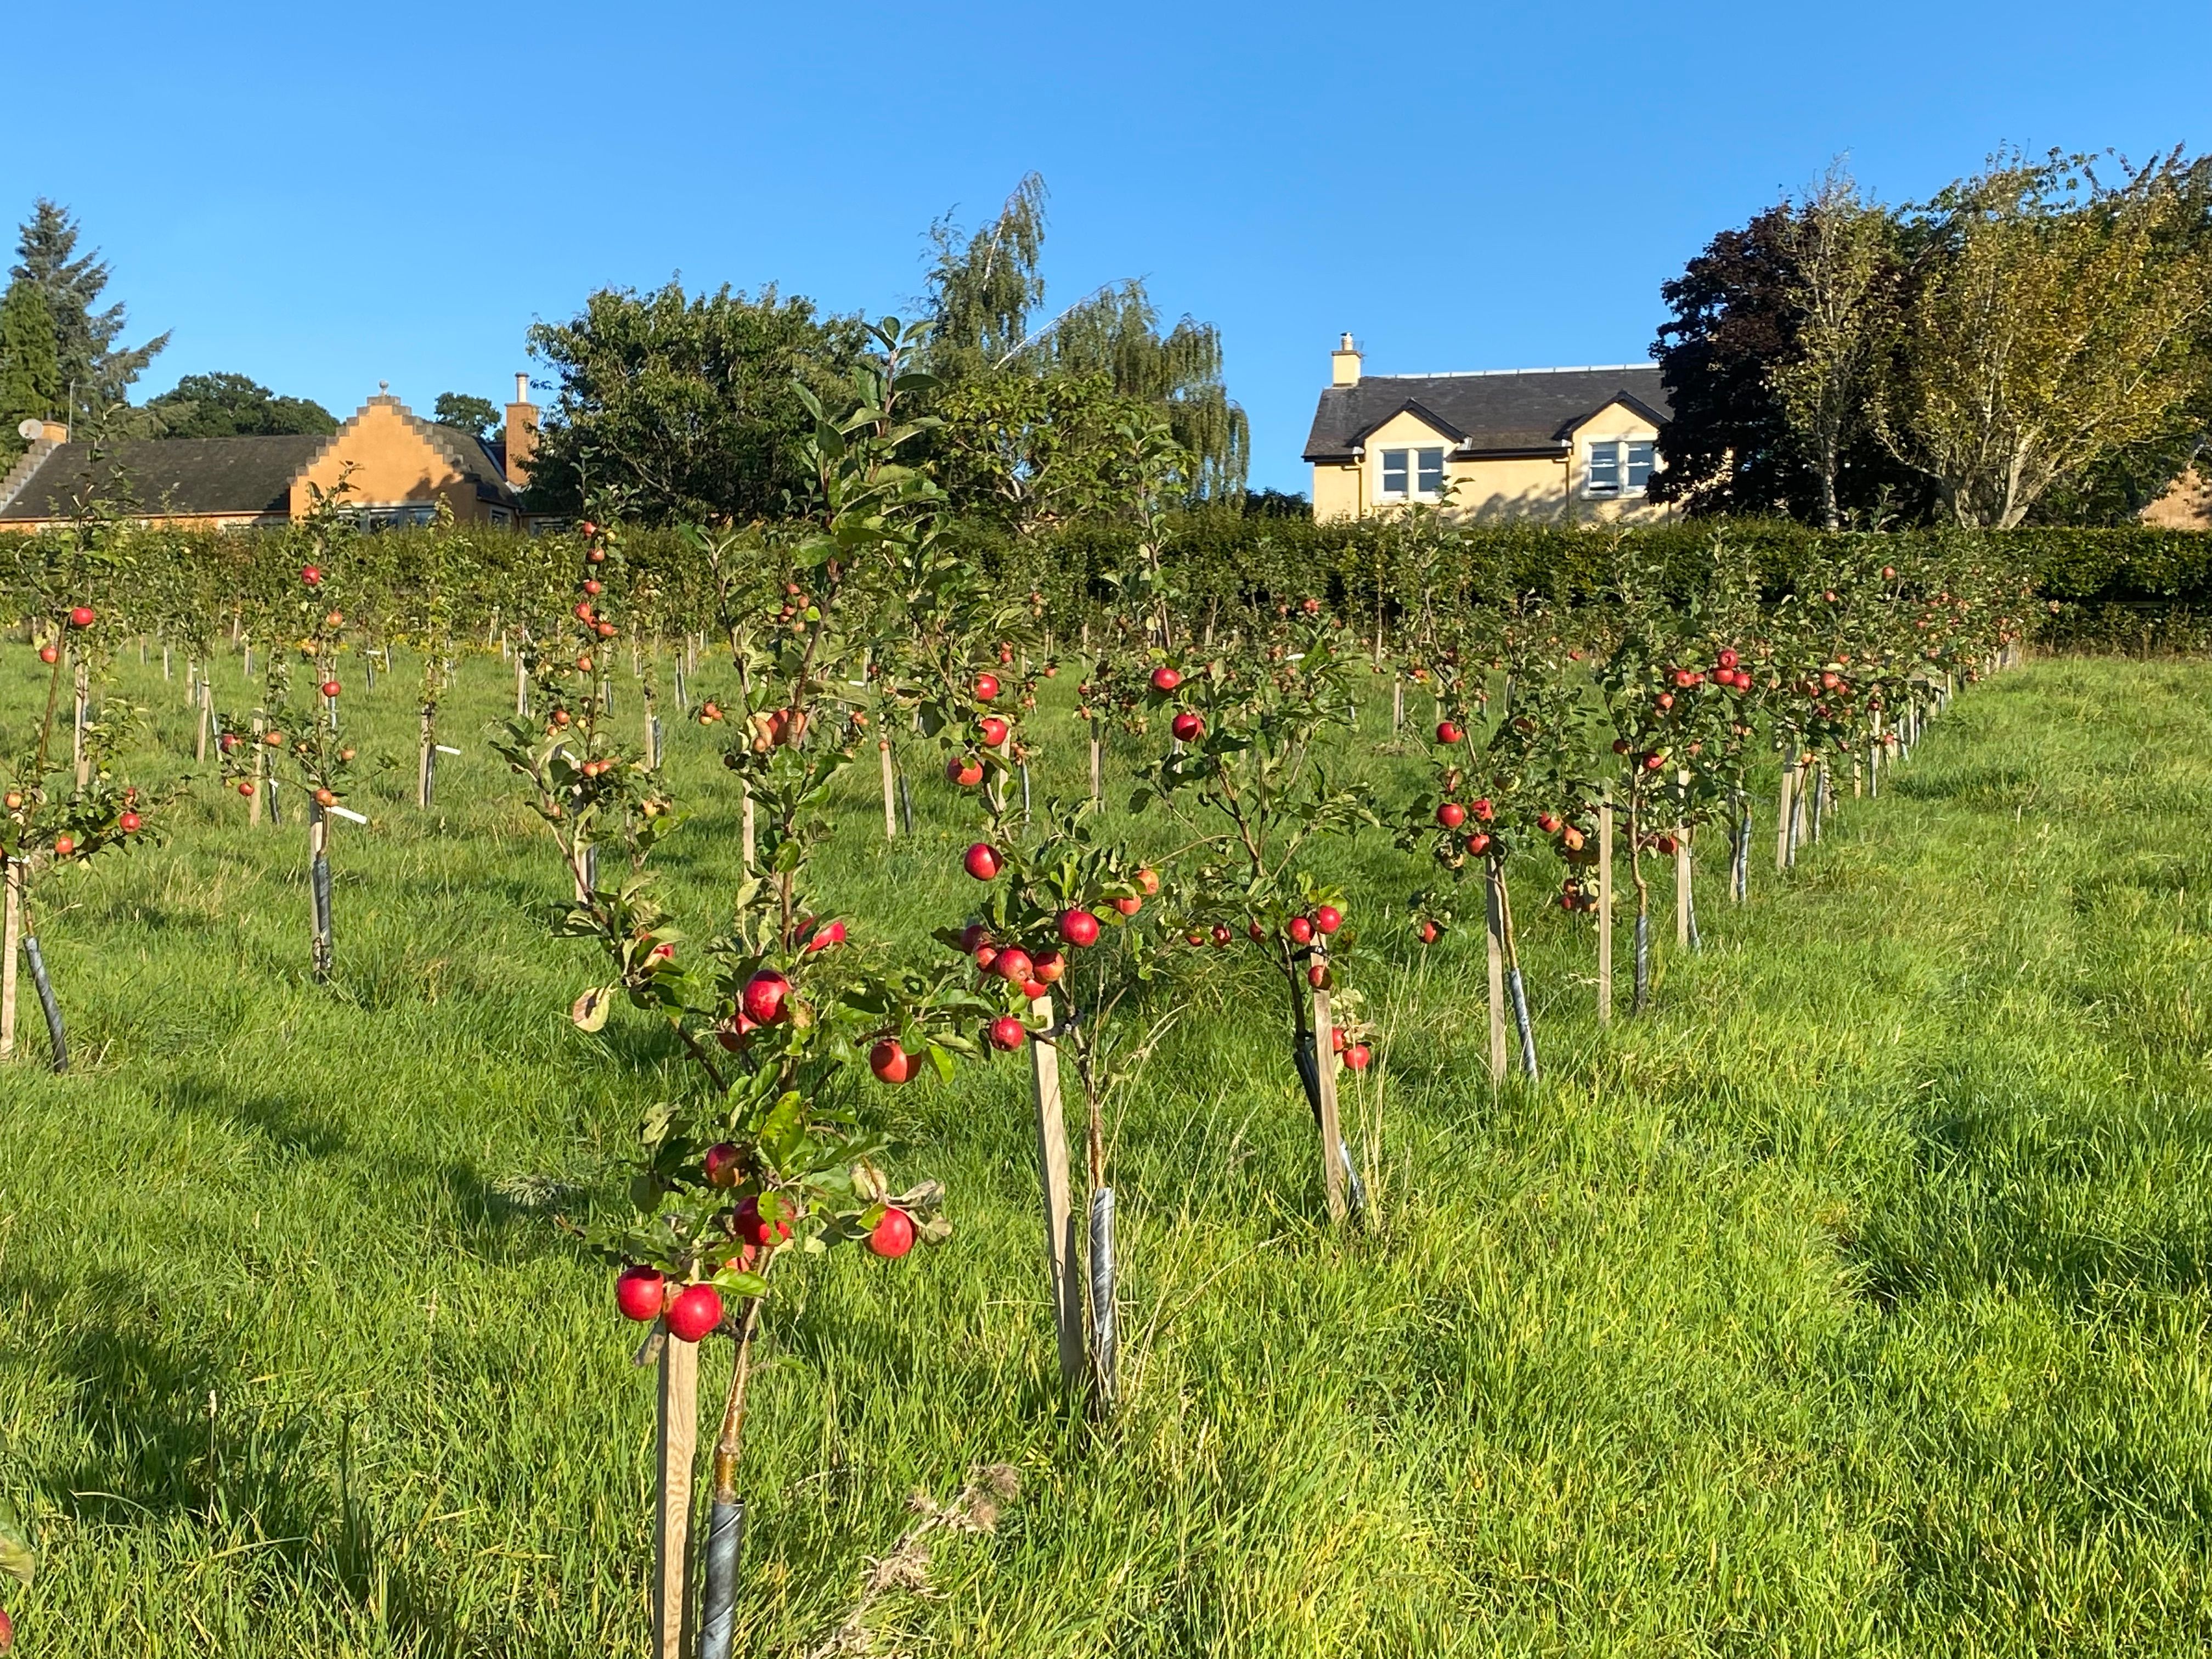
(325, 197)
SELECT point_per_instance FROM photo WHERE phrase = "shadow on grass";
(157, 1441)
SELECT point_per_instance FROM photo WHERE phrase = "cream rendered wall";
(1336, 492)
(1534, 487)
(392, 464)
(1614, 422)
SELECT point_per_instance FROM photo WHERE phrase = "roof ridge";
(1475, 373)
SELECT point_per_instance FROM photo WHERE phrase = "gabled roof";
(182, 475)
(470, 456)
(1533, 411)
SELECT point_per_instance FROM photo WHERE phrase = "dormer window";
(1620, 466)
(1412, 474)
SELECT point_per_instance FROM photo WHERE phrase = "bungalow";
(397, 468)
(1564, 444)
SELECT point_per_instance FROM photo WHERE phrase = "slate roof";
(183, 475)
(1532, 411)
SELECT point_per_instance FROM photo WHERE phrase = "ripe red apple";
(1478, 844)
(274, 739)
(594, 586)
(1129, 907)
(1667, 846)
(329, 688)
(1328, 919)
(893, 1236)
(49, 654)
(597, 556)
(1008, 1033)
(1223, 939)
(1451, 814)
(1336, 1039)
(987, 687)
(1301, 930)
(1665, 700)
(324, 798)
(1653, 763)
(889, 1063)
(982, 862)
(639, 1292)
(695, 1311)
(763, 999)
(1728, 659)
(967, 773)
(1357, 1056)
(1430, 932)
(584, 610)
(1548, 822)
(587, 529)
(83, 617)
(63, 846)
(985, 956)
(312, 574)
(823, 938)
(754, 1228)
(606, 630)
(723, 1164)
(1015, 965)
(1166, 679)
(1034, 988)
(128, 823)
(1311, 606)
(1079, 927)
(1196, 936)
(1317, 975)
(1050, 967)
(1447, 731)
(1148, 883)
(245, 788)
(974, 936)
(1187, 727)
(992, 731)
(13, 800)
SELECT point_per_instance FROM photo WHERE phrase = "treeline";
(1217, 565)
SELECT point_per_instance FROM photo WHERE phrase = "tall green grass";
(1854, 1301)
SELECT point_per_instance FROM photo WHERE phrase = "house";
(1575, 446)
(397, 468)
(2186, 504)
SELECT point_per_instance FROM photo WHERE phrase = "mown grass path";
(1854, 1303)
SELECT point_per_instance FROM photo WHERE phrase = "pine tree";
(85, 349)
(30, 379)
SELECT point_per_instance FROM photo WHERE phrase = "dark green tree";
(685, 405)
(85, 336)
(30, 379)
(233, 406)
(477, 416)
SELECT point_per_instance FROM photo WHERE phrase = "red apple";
(1034, 988)
(723, 1164)
(584, 610)
(1357, 1056)
(1653, 763)
(967, 773)
(1223, 939)
(985, 956)
(1079, 927)
(973, 937)
(1129, 907)
(49, 654)
(1300, 930)
(1188, 728)
(987, 687)
(83, 617)
(1728, 659)
(889, 1063)
(1166, 679)
(1451, 814)
(592, 586)
(1328, 919)
(893, 1236)
(128, 823)
(639, 1292)
(1448, 733)
(1050, 966)
(1148, 883)
(1317, 975)
(992, 729)
(245, 788)
(1430, 932)
(1015, 965)
(312, 574)
(754, 1228)
(63, 846)
(695, 1311)
(982, 862)
(823, 938)
(763, 997)
(1256, 930)
(1009, 1033)
(329, 688)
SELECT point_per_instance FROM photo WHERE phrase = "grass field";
(1855, 1302)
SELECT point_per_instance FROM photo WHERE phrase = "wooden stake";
(1605, 909)
(82, 755)
(1682, 870)
(679, 1424)
(1783, 806)
(1097, 764)
(749, 832)
(426, 762)
(260, 772)
(891, 789)
(1061, 1255)
(10, 941)
(1495, 939)
(1332, 1134)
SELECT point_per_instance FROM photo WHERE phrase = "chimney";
(1344, 363)
(521, 432)
(49, 432)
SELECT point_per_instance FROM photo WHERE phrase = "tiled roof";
(241, 476)
(1522, 411)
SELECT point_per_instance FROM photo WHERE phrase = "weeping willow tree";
(984, 289)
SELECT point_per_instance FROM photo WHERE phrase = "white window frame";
(1622, 489)
(1413, 452)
